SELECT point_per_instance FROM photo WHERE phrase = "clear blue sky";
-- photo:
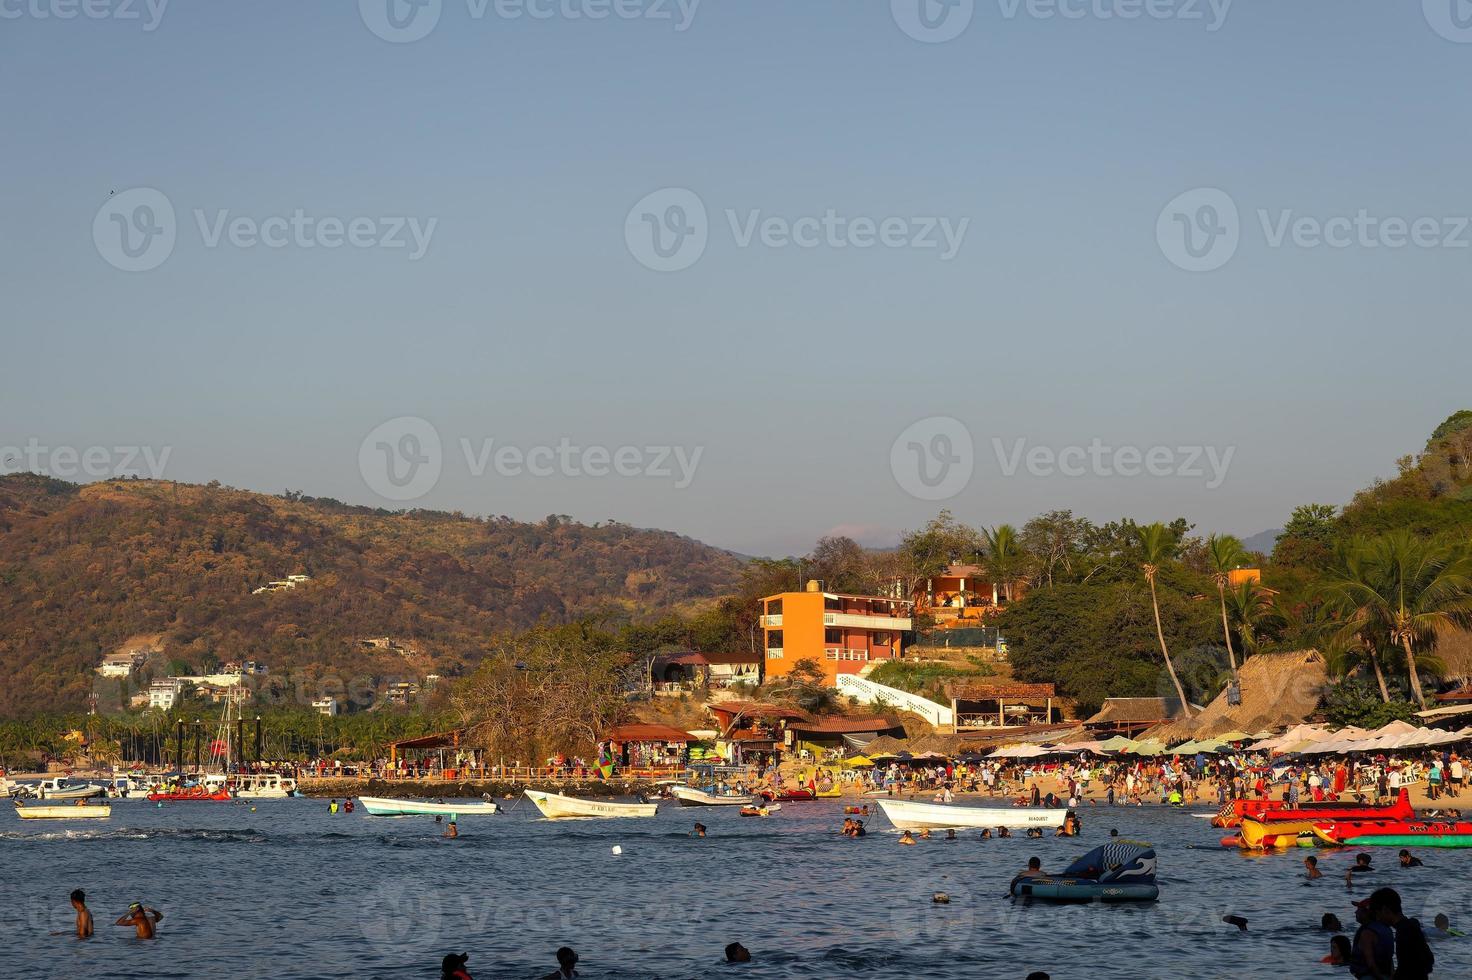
(528, 320)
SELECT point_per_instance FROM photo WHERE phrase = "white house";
(326, 706)
(165, 694)
(121, 664)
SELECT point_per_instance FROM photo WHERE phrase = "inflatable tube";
(1083, 890)
(1412, 840)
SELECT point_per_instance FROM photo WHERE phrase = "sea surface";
(286, 890)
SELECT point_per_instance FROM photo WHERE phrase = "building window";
(774, 607)
(774, 638)
(832, 636)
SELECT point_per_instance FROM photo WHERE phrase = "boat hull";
(63, 812)
(690, 796)
(555, 806)
(1082, 890)
(73, 792)
(939, 816)
(1396, 833)
(380, 807)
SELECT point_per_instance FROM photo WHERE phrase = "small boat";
(1395, 833)
(379, 807)
(940, 816)
(264, 786)
(764, 810)
(79, 811)
(690, 796)
(555, 806)
(190, 794)
(60, 788)
(1121, 871)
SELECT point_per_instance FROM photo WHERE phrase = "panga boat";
(940, 816)
(263, 786)
(555, 806)
(188, 794)
(379, 807)
(1396, 833)
(59, 788)
(690, 796)
(73, 812)
(1121, 871)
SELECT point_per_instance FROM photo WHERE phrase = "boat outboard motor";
(1121, 862)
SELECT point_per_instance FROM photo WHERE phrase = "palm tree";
(1157, 547)
(1249, 609)
(1404, 590)
(1004, 556)
(1225, 553)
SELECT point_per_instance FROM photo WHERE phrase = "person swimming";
(451, 831)
(1329, 922)
(1408, 860)
(84, 927)
(567, 964)
(1339, 951)
(907, 838)
(143, 919)
(699, 830)
(452, 967)
(737, 953)
(1311, 867)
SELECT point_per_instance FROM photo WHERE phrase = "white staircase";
(868, 692)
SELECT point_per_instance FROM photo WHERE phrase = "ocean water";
(290, 891)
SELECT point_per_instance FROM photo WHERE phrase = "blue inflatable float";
(1121, 871)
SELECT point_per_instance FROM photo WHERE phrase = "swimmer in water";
(84, 916)
(1339, 951)
(699, 830)
(143, 919)
(907, 839)
(1329, 922)
(1311, 867)
(451, 831)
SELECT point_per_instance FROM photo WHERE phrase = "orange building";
(962, 595)
(1237, 576)
(840, 633)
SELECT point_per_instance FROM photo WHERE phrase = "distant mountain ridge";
(83, 568)
(1263, 541)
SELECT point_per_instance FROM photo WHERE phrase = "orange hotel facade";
(840, 633)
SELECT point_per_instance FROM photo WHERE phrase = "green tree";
(1224, 554)
(1308, 537)
(1404, 590)
(1003, 557)
(1157, 548)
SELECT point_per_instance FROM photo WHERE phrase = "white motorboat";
(59, 788)
(690, 796)
(940, 816)
(8, 788)
(77, 811)
(263, 786)
(379, 807)
(555, 806)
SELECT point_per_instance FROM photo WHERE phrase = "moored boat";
(60, 788)
(379, 807)
(190, 794)
(80, 811)
(555, 806)
(906, 815)
(691, 796)
(263, 786)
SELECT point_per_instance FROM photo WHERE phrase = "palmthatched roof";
(1278, 690)
(1135, 710)
(1454, 650)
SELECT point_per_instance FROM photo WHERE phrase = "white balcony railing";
(856, 621)
(772, 622)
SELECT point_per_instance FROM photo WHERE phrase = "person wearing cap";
(142, 918)
(452, 967)
(1372, 956)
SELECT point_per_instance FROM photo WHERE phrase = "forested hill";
(85, 568)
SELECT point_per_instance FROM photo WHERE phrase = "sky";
(750, 271)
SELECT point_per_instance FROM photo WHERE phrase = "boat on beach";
(691, 796)
(906, 815)
(377, 806)
(83, 811)
(555, 806)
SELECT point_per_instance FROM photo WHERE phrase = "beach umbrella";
(1148, 747)
(1234, 736)
(1117, 744)
(858, 762)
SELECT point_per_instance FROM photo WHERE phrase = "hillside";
(84, 568)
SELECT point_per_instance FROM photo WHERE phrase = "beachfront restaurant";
(647, 746)
(1131, 716)
(838, 736)
(982, 704)
(751, 733)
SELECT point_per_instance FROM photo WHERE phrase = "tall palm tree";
(1250, 609)
(1157, 548)
(1404, 590)
(1225, 553)
(1004, 556)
